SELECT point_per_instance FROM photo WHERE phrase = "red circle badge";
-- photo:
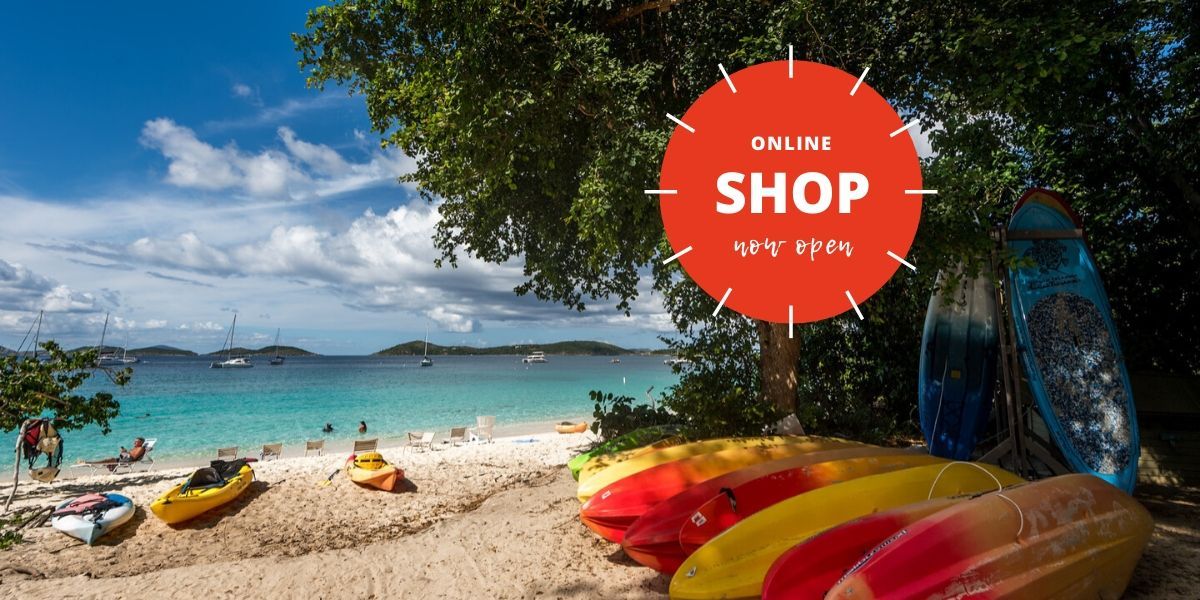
(791, 191)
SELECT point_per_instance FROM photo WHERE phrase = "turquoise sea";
(192, 409)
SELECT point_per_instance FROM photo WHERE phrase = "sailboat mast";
(232, 330)
(103, 332)
(426, 341)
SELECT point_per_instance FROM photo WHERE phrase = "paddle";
(328, 481)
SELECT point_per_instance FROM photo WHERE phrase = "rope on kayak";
(999, 489)
(999, 486)
(1020, 513)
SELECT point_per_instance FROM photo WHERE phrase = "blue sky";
(166, 163)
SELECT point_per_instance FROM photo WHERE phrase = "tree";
(31, 387)
(538, 124)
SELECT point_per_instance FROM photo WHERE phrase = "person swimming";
(362, 426)
(328, 428)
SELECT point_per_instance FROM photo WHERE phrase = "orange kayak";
(371, 470)
(1073, 536)
(569, 428)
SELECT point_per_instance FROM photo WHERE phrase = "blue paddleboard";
(959, 349)
(1069, 347)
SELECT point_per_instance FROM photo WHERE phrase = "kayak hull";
(734, 564)
(653, 539)
(88, 530)
(384, 478)
(959, 354)
(1074, 536)
(599, 475)
(611, 511)
(645, 437)
(176, 506)
(811, 568)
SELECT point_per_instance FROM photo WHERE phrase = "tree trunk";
(16, 469)
(778, 355)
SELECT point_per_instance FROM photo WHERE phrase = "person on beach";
(126, 455)
(328, 428)
(362, 426)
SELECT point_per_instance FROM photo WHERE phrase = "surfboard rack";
(1020, 449)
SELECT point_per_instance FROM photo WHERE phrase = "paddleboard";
(960, 349)
(1069, 347)
(91, 525)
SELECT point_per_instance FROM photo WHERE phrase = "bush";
(618, 415)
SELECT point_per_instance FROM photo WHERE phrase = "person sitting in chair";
(127, 455)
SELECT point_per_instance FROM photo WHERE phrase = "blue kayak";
(1069, 347)
(959, 349)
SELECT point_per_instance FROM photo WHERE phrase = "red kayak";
(612, 509)
(725, 511)
(813, 567)
(653, 539)
(1066, 537)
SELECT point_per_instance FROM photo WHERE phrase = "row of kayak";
(91, 516)
(812, 517)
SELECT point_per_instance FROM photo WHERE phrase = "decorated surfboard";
(1069, 347)
(959, 353)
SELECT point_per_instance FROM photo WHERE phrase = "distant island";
(583, 348)
(265, 351)
(161, 350)
(139, 352)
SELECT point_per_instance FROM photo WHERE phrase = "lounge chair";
(145, 463)
(483, 427)
(366, 445)
(230, 453)
(458, 435)
(318, 445)
(419, 440)
(271, 451)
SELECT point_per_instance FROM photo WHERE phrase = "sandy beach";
(494, 520)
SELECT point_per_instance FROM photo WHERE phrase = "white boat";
(426, 362)
(231, 361)
(534, 357)
(112, 358)
(278, 358)
(87, 525)
(675, 360)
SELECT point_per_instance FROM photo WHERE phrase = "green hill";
(586, 348)
(161, 350)
(266, 351)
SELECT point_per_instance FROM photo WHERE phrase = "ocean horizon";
(192, 410)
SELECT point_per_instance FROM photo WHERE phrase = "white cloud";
(305, 171)
(23, 290)
(453, 322)
(242, 90)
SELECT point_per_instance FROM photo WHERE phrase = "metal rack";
(1019, 448)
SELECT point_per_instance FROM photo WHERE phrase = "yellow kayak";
(203, 491)
(733, 564)
(606, 471)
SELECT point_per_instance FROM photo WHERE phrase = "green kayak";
(634, 439)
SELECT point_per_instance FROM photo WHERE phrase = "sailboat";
(278, 358)
(111, 358)
(231, 362)
(426, 362)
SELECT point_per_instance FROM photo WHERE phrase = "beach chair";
(144, 464)
(484, 426)
(366, 445)
(229, 453)
(418, 440)
(318, 445)
(458, 435)
(271, 451)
